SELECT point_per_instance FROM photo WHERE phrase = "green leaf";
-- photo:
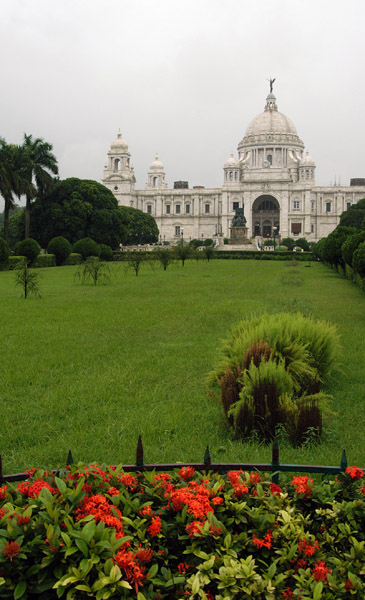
(318, 591)
(61, 485)
(272, 570)
(83, 547)
(88, 531)
(20, 589)
(141, 596)
(153, 571)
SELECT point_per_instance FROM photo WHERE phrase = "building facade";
(272, 179)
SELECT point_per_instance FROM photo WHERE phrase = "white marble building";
(272, 178)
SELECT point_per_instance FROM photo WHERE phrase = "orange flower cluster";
(134, 573)
(22, 519)
(320, 571)
(355, 472)
(265, 542)
(11, 549)
(301, 485)
(187, 472)
(307, 548)
(32, 489)
(155, 527)
(102, 510)
(3, 489)
(239, 488)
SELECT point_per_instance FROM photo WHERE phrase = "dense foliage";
(78, 208)
(4, 251)
(105, 252)
(354, 216)
(100, 533)
(28, 248)
(142, 228)
(86, 247)
(359, 260)
(270, 370)
(61, 248)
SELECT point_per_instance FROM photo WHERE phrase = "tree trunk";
(27, 218)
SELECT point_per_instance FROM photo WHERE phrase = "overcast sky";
(182, 78)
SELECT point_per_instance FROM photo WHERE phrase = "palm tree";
(12, 180)
(39, 163)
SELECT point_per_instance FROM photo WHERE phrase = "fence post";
(275, 461)
(139, 454)
(69, 459)
(343, 464)
(207, 459)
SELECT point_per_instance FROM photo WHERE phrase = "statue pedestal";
(239, 235)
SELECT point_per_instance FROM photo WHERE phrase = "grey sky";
(182, 78)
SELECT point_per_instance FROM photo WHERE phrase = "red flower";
(129, 481)
(288, 594)
(234, 477)
(11, 549)
(134, 573)
(240, 489)
(194, 528)
(301, 484)
(187, 472)
(30, 472)
(155, 527)
(217, 500)
(35, 488)
(23, 487)
(355, 472)
(182, 567)
(146, 510)
(265, 542)
(22, 519)
(362, 490)
(215, 530)
(255, 478)
(112, 491)
(3, 492)
(275, 489)
(144, 555)
(306, 547)
(320, 571)
(349, 585)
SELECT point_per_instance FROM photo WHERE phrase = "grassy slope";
(89, 368)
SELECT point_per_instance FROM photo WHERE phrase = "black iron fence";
(275, 467)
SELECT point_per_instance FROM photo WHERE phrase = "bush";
(14, 262)
(231, 536)
(302, 243)
(45, 260)
(74, 259)
(208, 242)
(28, 248)
(86, 247)
(106, 253)
(61, 248)
(270, 372)
(4, 251)
(350, 245)
(288, 242)
(359, 260)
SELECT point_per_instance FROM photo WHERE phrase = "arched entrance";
(265, 216)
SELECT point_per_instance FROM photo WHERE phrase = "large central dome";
(271, 121)
(270, 128)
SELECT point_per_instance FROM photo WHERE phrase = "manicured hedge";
(73, 259)
(15, 262)
(264, 255)
(100, 533)
(45, 260)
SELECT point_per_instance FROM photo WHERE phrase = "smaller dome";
(307, 160)
(231, 162)
(156, 165)
(119, 145)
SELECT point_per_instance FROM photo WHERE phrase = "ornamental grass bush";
(270, 372)
(100, 533)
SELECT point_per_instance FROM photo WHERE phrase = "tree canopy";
(76, 209)
(142, 228)
(354, 216)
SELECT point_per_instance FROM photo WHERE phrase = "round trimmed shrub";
(350, 245)
(4, 251)
(28, 248)
(60, 247)
(106, 253)
(358, 260)
(86, 247)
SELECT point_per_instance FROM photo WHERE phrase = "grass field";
(88, 367)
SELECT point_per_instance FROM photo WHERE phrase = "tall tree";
(12, 178)
(39, 165)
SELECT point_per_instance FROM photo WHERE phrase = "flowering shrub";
(97, 532)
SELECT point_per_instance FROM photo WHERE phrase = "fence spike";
(139, 455)
(275, 460)
(343, 461)
(69, 459)
(207, 459)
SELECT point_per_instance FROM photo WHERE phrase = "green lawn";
(88, 367)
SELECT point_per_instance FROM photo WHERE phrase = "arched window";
(154, 181)
(269, 158)
(117, 164)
